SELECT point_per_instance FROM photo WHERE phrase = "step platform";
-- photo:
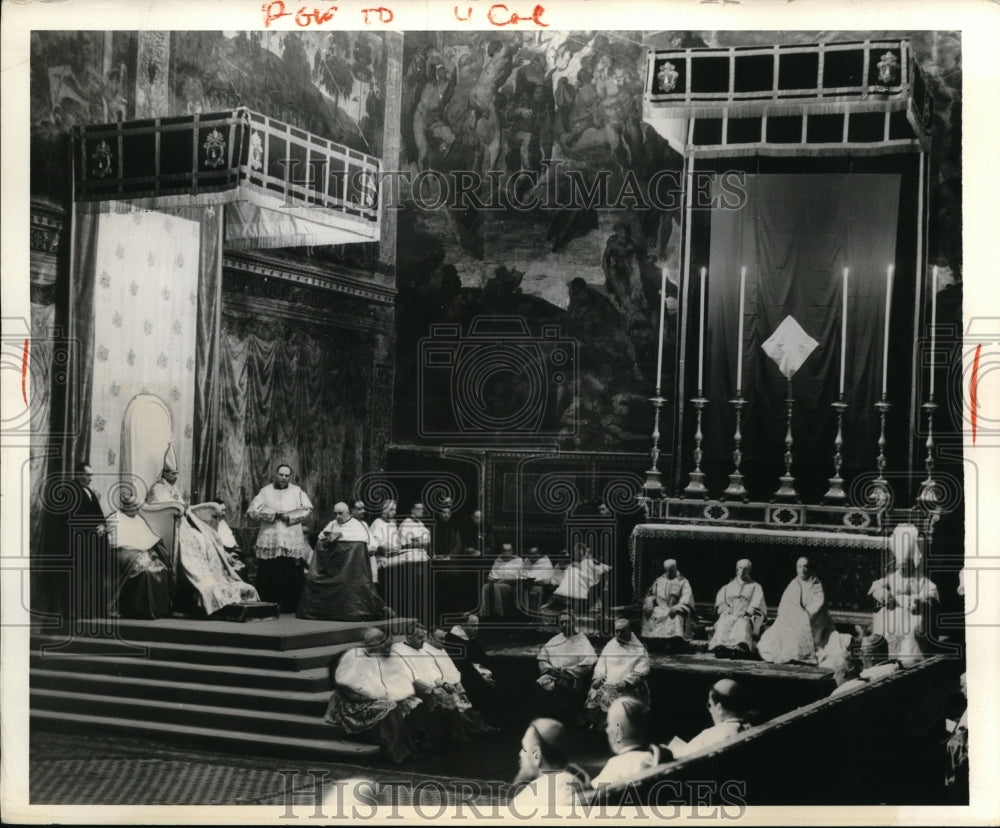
(257, 687)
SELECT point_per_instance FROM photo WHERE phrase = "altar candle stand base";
(736, 487)
(879, 495)
(929, 489)
(786, 491)
(696, 478)
(835, 494)
(653, 487)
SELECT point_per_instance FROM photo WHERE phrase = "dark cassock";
(473, 534)
(447, 539)
(143, 584)
(76, 539)
(339, 583)
(473, 665)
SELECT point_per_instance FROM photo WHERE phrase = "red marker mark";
(24, 373)
(497, 10)
(303, 17)
(974, 391)
(384, 15)
(468, 15)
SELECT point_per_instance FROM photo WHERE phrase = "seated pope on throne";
(202, 559)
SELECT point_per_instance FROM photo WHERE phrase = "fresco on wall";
(543, 117)
(532, 115)
(331, 84)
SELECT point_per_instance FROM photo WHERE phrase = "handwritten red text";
(303, 17)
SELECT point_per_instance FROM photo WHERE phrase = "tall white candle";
(934, 275)
(739, 336)
(885, 339)
(701, 332)
(843, 331)
(659, 352)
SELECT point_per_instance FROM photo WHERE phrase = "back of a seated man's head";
(729, 696)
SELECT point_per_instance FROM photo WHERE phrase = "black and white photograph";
(545, 412)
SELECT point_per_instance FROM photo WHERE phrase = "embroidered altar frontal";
(281, 186)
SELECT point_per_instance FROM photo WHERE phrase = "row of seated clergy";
(438, 682)
(547, 779)
(203, 560)
(515, 584)
(407, 699)
(803, 630)
(411, 541)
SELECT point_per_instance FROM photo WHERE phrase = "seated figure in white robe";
(578, 581)
(446, 700)
(803, 629)
(621, 670)
(904, 598)
(566, 663)
(142, 587)
(385, 535)
(499, 593)
(414, 539)
(375, 701)
(741, 613)
(628, 738)
(203, 558)
(668, 608)
(727, 707)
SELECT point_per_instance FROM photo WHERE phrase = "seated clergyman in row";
(628, 738)
(142, 585)
(728, 708)
(566, 663)
(803, 630)
(668, 609)
(474, 665)
(437, 683)
(621, 670)
(741, 613)
(500, 592)
(375, 700)
(580, 577)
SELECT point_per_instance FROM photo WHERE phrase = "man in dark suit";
(77, 540)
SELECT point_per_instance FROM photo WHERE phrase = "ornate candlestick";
(653, 487)
(736, 487)
(696, 484)
(928, 495)
(880, 488)
(835, 494)
(786, 491)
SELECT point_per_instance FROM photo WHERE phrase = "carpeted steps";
(208, 738)
(260, 687)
